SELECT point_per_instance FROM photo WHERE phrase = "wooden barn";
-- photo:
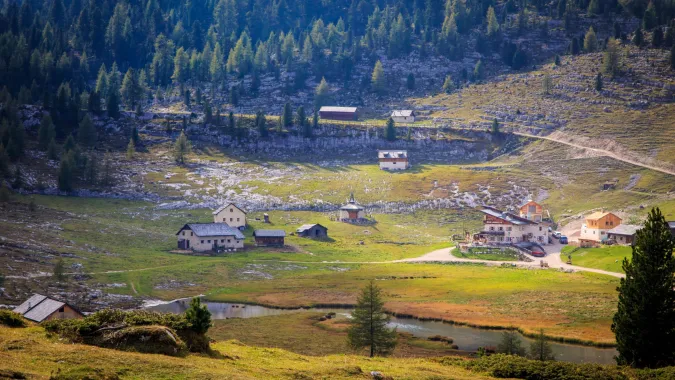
(339, 113)
(269, 238)
(39, 308)
(312, 231)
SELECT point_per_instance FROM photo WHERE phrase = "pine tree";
(300, 118)
(650, 20)
(594, 8)
(315, 120)
(369, 323)
(234, 95)
(59, 269)
(186, 99)
(495, 127)
(644, 323)
(131, 149)
(478, 71)
(390, 130)
(261, 124)
(112, 103)
(66, 168)
(52, 152)
(18, 178)
(135, 137)
(638, 38)
(590, 41)
(231, 124)
(91, 170)
(321, 95)
(86, 134)
(557, 60)
(540, 349)
(287, 116)
(46, 132)
(198, 316)
(448, 85)
(106, 172)
(69, 144)
(410, 82)
(131, 89)
(378, 80)
(4, 161)
(5, 194)
(511, 344)
(611, 60)
(598, 82)
(181, 148)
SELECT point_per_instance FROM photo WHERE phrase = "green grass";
(607, 258)
(482, 254)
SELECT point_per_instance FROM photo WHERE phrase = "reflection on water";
(467, 338)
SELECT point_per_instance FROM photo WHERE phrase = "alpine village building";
(39, 308)
(403, 116)
(339, 113)
(596, 226)
(269, 238)
(312, 231)
(500, 227)
(232, 215)
(393, 159)
(204, 237)
(532, 210)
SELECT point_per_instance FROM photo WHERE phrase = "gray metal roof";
(392, 154)
(351, 206)
(671, 224)
(337, 109)
(506, 216)
(43, 310)
(228, 205)
(269, 233)
(306, 227)
(29, 303)
(212, 229)
(402, 113)
(625, 229)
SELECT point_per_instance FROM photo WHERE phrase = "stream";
(467, 338)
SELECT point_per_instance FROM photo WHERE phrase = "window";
(62, 309)
(183, 233)
(230, 219)
(237, 219)
(224, 219)
(191, 234)
(228, 240)
(611, 223)
(539, 228)
(492, 228)
(222, 240)
(501, 228)
(208, 241)
(231, 210)
(509, 228)
(202, 241)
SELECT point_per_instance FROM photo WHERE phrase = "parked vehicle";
(563, 239)
(538, 254)
(557, 234)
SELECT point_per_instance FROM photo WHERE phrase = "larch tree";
(321, 94)
(86, 134)
(378, 80)
(644, 324)
(511, 344)
(611, 60)
(181, 148)
(590, 41)
(493, 24)
(368, 325)
(540, 349)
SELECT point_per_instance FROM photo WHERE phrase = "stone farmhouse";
(204, 237)
(39, 308)
(507, 228)
(595, 228)
(393, 159)
(232, 215)
(403, 116)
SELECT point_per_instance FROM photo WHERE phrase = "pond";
(467, 338)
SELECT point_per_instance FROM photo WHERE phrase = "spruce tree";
(315, 120)
(495, 127)
(46, 132)
(261, 124)
(287, 117)
(181, 148)
(598, 82)
(644, 324)
(638, 38)
(390, 131)
(18, 178)
(135, 137)
(65, 178)
(410, 82)
(5, 194)
(369, 323)
(557, 60)
(4, 161)
(511, 344)
(540, 349)
(198, 316)
(112, 104)
(52, 150)
(86, 134)
(301, 119)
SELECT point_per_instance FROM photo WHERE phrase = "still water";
(467, 338)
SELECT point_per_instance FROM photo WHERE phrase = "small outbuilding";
(312, 231)
(403, 116)
(39, 308)
(393, 159)
(352, 212)
(338, 113)
(204, 237)
(269, 238)
(623, 234)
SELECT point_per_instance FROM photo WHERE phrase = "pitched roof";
(212, 229)
(506, 216)
(269, 233)
(351, 206)
(625, 229)
(392, 154)
(402, 113)
(228, 205)
(598, 215)
(671, 224)
(306, 227)
(337, 109)
(38, 307)
(528, 202)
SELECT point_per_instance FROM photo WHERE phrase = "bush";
(11, 319)
(103, 328)
(440, 338)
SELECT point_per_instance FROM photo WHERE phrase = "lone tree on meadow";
(181, 148)
(198, 316)
(390, 130)
(644, 323)
(369, 323)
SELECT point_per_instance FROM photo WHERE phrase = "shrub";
(440, 338)
(11, 319)
(146, 339)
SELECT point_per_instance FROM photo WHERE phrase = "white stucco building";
(504, 227)
(393, 159)
(204, 237)
(232, 215)
(403, 116)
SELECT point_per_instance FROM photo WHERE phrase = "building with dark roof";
(204, 237)
(39, 308)
(623, 234)
(338, 113)
(312, 231)
(352, 212)
(269, 238)
(393, 159)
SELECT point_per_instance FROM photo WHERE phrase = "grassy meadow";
(607, 258)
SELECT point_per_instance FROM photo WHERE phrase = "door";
(187, 244)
